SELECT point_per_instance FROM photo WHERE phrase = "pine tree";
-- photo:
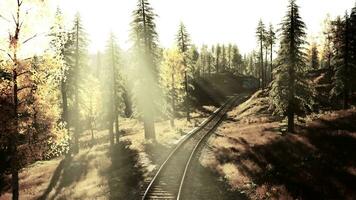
(209, 60)
(229, 56)
(266, 46)
(223, 58)
(193, 57)
(172, 80)
(290, 94)
(183, 39)
(327, 52)
(314, 57)
(183, 42)
(236, 59)
(217, 58)
(145, 39)
(353, 49)
(342, 60)
(77, 59)
(271, 41)
(204, 59)
(261, 37)
(112, 55)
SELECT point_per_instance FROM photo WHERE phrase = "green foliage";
(183, 39)
(172, 80)
(314, 57)
(343, 59)
(290, 92)
(146, 53)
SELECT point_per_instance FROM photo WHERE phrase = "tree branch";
(30, 38)
(24, 87)
(22, 73)
(4, 18)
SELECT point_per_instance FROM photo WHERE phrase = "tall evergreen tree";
(184, 43)
(327, 53)
(353, 48)
(290, 93)
(113, 63)
(223, 58)
(78, 61)
(217, 58)
(183, 39)
(314, 57)
(260, 32)
(342, 60)
(236, 61)
(271, 41)
(145, 39)
(172, 79)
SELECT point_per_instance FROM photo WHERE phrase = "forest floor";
(255, 155)
(98, 172)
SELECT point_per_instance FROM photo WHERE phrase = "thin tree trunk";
(266, 66)
(187, 96)
(261, 65)
(14, 163)
(111, 131)
(127, 102)
(76, 93)
(149, 128)
(64, 104)
(271, 60)
(173, 101)
(13, 142)
(117, 128)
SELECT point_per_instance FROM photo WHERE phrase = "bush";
(59, 144)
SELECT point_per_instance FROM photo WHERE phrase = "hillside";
(252, 152)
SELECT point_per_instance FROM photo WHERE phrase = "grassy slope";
(254, 155)
(98, 172)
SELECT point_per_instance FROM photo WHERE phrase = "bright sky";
(208, 21)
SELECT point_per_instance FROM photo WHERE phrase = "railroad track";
(168, 182)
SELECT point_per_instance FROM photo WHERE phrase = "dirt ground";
(254, 155)
(100, 172)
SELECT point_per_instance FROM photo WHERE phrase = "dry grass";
(97, 172)
(254, 155)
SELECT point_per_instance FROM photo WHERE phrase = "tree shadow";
(157, 152)
(56, 176)
(313, 164)
(68, 172)
(125, 175)
(203, 183)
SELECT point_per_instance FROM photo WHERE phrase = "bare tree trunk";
(173, 101)
(187, 95)
(14, 135)
(266, 66)
(76, 93)
(14, 138)
(261, 64)
(149, 128)
(111, 131)
(271, 60)
(117, 130)
(64, 104)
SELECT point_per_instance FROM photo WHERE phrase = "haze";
(208, 21)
